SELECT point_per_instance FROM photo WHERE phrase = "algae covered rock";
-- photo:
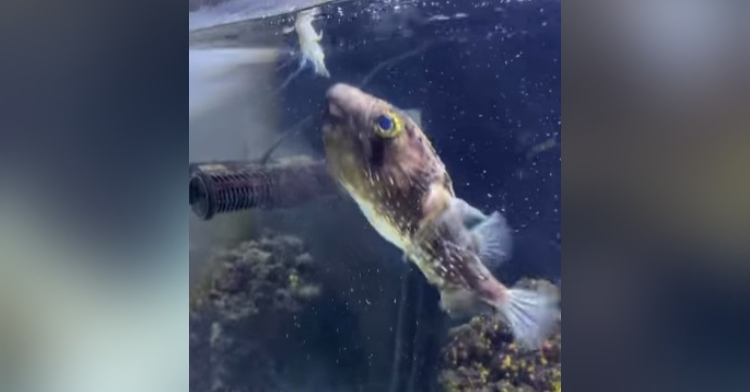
(480, 356)
(246, 298)
(271, 274)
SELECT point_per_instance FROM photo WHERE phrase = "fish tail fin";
(494, 240)
(531, 316)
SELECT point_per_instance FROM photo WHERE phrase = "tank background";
(484, 106)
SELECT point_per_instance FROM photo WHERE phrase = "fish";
(383, 159)
(309, 42)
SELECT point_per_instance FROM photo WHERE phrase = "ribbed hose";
(222, 187)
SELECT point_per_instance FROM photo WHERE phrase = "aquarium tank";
(310, 270)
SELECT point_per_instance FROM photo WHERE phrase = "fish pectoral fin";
(287, 30)
(461, 303)
(319, 36)
(491, 234)
(471, 216)
(494, 240)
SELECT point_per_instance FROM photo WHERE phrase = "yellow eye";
(388, 125)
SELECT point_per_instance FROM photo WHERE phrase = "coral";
(245, 295)
(480, 356)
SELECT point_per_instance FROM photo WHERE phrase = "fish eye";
(387, 125)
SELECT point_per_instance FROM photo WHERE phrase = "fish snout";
(340, 91)
(344, 100)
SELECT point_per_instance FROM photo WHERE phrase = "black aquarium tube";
(229, 186)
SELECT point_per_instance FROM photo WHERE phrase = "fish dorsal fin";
(415, 115)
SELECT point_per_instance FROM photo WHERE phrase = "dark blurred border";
(94, 126)
(94, 146)
(656, 197)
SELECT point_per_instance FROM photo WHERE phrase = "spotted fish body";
(385, 162)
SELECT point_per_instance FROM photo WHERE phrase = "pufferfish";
(385, 162)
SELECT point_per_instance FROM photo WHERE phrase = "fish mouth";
(333, 110)
(335, 113)
(332, 115)
(332, 120)
(337, 96)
